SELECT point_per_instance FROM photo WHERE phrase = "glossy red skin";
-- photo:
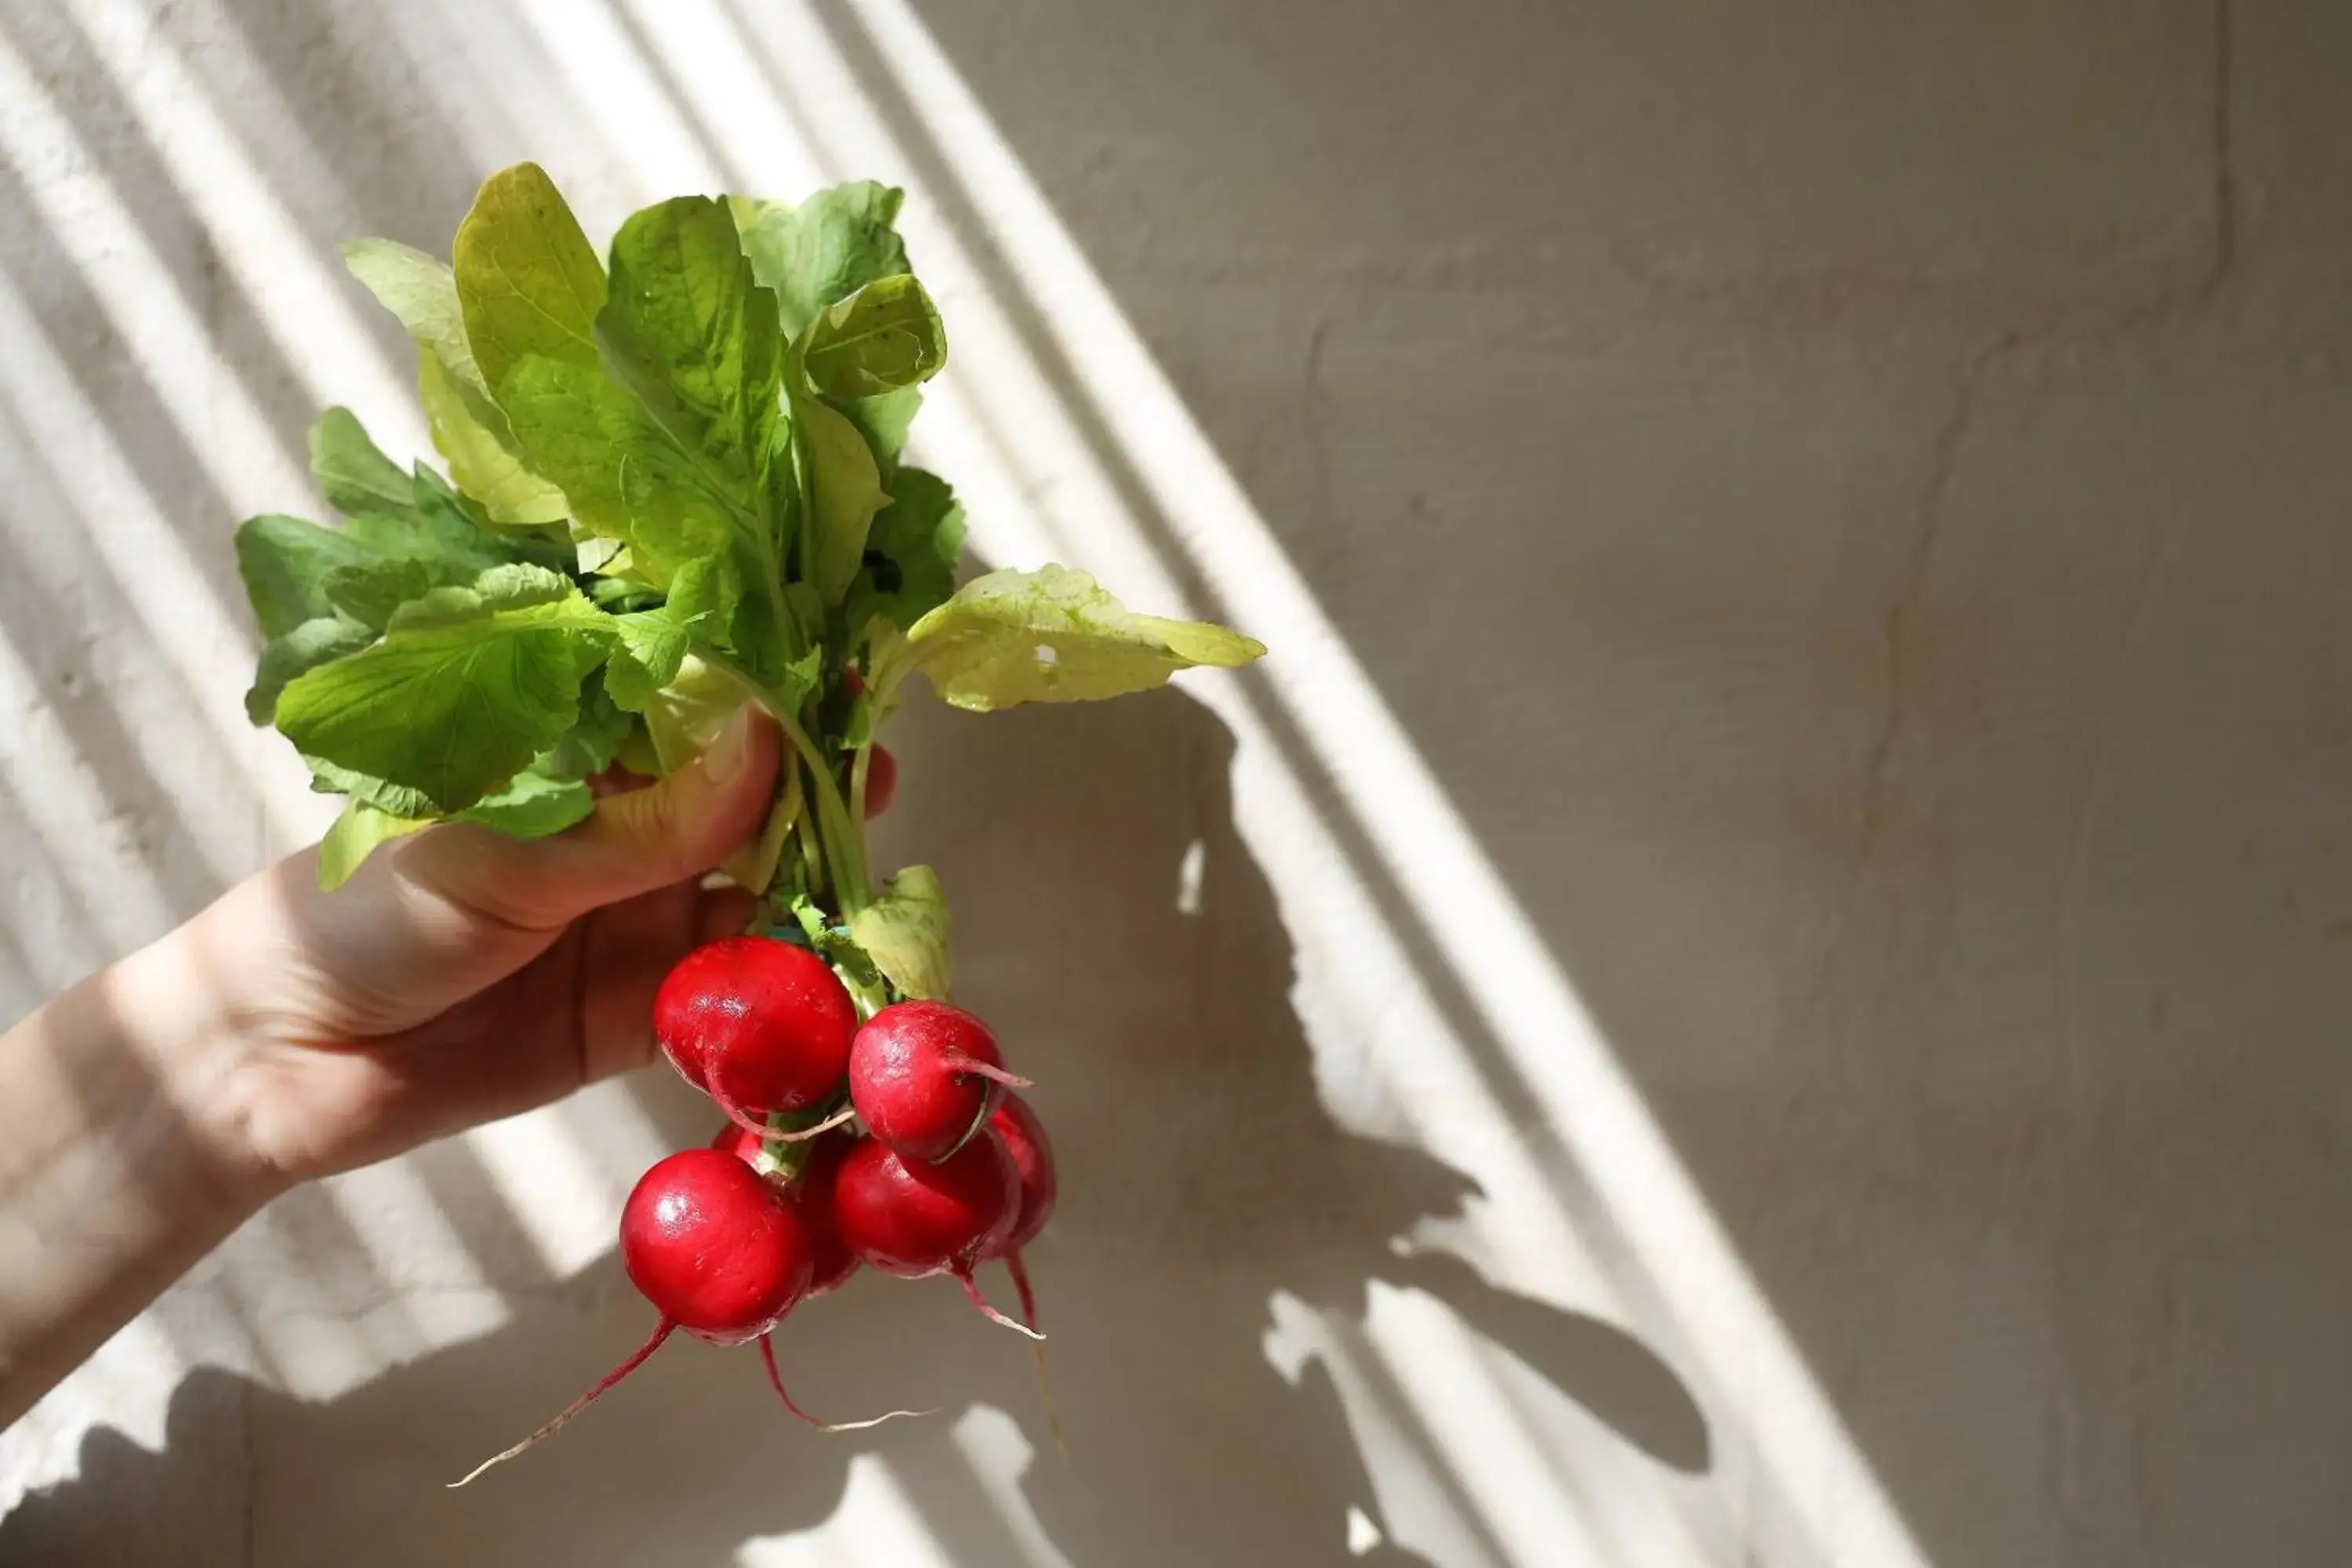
(714, 1245)
(772, 1014)
(881, 780)
(912, 1219)
(905, 1092)
(832, 1261)
(1033, 1158)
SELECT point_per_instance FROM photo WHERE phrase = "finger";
(634, 843)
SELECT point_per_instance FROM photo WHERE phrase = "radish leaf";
(355, 835)
(883, 338)
(1056, 635)
(467, 687)
(905, 932)
(688, 330)
(844, 490)
(528, 282)
(911, 555)
(825, 250)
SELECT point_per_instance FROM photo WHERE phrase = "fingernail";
(724, 761)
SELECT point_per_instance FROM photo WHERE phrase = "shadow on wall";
(1200, 1176)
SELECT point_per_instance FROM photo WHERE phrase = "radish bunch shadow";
(1200, 1175)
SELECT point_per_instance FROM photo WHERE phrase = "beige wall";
(1796, 843)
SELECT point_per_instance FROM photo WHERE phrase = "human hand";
(458, 977)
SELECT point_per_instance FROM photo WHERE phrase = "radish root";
(1019, 1272)
(637, 1359)
(839, 1119)
(741, 1117)
(972, 1293)
(776, 1382)
(988, 1070)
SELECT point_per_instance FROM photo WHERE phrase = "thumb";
(633, 842)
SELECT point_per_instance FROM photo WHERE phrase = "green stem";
(841, 837)
(857, 780)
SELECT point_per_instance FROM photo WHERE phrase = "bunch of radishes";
(891, 1142)
(678, 484)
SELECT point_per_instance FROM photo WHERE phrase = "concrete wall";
(1762, 977)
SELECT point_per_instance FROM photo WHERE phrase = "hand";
(460, 975)
(285, 1033)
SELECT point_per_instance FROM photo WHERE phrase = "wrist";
(116, 1172)
(191, 1037)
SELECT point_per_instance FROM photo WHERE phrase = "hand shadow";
(1117, 934)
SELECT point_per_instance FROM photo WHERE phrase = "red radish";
(757, 1024)
(914, 1219)
(924, 1076)
(1033, 1157)
(815, 1193)
(720, 1250)
(881, 780)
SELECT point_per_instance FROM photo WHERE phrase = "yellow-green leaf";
(905, 932)
(528, 280)
(1057, 636)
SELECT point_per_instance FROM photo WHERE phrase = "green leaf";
(305, 648)
(577, 426)
(905, 932)
(883, 338)
(1056, 635)
(528, 281)
(392, 799)
(356, 834)
(474, 437)
(703, 595)
(284, 561)
(468, 430)
(370, 592)
(689, 331)
(912, 553)
(450, 524)
(467, 687)
(686, 715)
(823, 251)
(593, 741)
(884, 421)
(533, 806)
(844, 490)
(354, 476)
(753, 866)
(626, 479)
(298, 573)
(421, 292)
(652, 646)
